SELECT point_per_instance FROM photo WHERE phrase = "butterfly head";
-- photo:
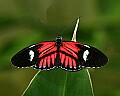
(59, 40)
(59, 37)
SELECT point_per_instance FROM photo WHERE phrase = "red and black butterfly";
(68, 55)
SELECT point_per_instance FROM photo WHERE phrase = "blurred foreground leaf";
(60, 83)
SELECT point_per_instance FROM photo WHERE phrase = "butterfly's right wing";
(75, 56)
(40, 56)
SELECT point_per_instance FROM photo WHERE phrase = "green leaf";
(60, 83)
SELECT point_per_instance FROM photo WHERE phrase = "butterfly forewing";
(91, 57)
(26, 57)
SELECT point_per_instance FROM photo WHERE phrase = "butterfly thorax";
(58, 40)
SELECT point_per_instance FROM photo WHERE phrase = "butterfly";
(68, 55)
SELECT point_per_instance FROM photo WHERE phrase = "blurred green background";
(26, 22)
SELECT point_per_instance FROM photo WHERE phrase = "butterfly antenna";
(70, 24)
(75, 30)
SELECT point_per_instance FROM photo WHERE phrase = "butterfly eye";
(59, 37)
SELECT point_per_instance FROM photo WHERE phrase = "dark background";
(26, 22)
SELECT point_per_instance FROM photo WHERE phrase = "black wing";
(40, 56)
(91, 57)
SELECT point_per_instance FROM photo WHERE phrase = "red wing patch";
(69, 55)
(47, 55)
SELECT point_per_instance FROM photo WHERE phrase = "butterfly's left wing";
(76, 56)
(40, 56)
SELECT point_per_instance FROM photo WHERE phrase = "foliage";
(60, 83)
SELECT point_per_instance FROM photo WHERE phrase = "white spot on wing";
(85, 54)
(87, 46)
(31, 46)
(31, 54)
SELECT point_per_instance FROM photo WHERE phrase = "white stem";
(75, 30)
(74, 39)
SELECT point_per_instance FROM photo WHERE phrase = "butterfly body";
(68, 55)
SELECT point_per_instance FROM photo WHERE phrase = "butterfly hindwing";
(69, 56)
(47, 56)
(40, 56)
